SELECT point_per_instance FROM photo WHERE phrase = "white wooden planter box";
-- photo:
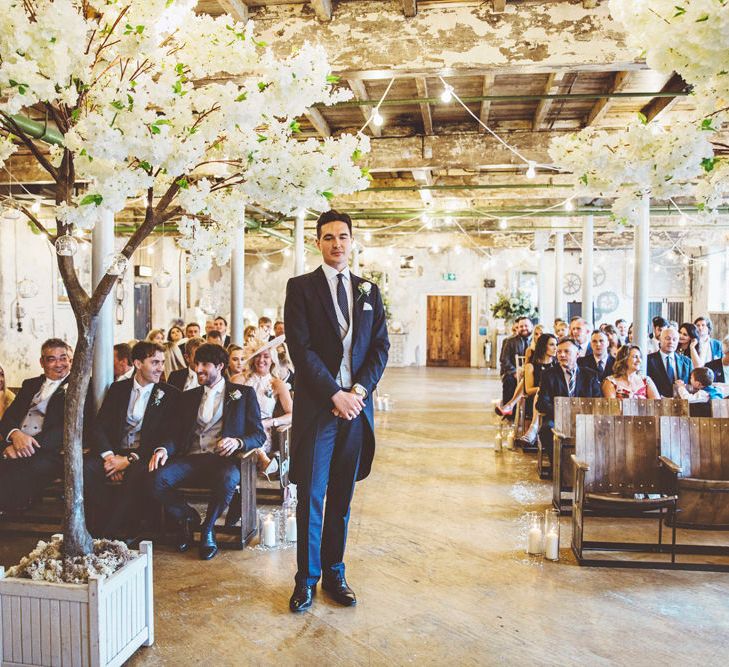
(100, 623)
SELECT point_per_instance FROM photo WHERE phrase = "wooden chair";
(617, 464)
(274, 492)
(700, 446)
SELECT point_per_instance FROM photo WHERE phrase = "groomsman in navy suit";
(135, 418)
(216, 420)
(665, 367)
(337, 336)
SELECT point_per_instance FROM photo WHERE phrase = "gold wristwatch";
(360, 391)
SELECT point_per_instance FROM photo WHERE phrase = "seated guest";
(135, 418)
(626, 380)
(614, 340)
(567, 379)
(659, 324)
(621, 326)
(505, 409)
(580, 333)
(702, 387)
(209, 326)
(265, 327)
(279, 329)
(156, 336)
(270, 391)
(630, 335)
(665, 367)
(561, 329)
(250, 333)
(192, 330)
(285, 367)
(236, 362)
(174, 358)
(186, 378)
(542, 359)
(220, 325)
(123, 367)
(512, 347)
(31, 429)
(215, 337)
(6, 396)
(689, 344)
(720, 367)
(599, 359)
(538, 331)
(216, 420)
(710, 347)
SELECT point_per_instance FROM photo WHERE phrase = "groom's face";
(335, 244)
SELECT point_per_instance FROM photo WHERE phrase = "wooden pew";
(616, 465)
(719, 407)
(700, 446)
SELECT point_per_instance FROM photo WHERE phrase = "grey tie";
(572, 382)
(342, 298)
(600, 367)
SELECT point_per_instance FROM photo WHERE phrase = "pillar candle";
(269, 532)
(551, 546)
(291, 528)
(534, 544)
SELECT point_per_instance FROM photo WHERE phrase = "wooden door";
(449, 331)
(142, 310)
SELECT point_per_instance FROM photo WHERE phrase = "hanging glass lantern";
(27, 289)
(116, 264)
(163, 279)
(66, 245)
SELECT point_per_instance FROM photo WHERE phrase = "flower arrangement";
(513, 306)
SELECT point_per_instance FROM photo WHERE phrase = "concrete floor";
(435, 555)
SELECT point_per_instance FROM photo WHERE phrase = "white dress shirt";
(344, 377)
(706, 351)
(125, 376)
(209, 418)
(133, 421)
(191, 381)
(34, 418)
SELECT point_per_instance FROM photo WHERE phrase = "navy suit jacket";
(51, 437)
(716, 351)
(157, 426)
(657, 372)
(312, 334)
(178, 378)
(718, 369)
(588, 361)
(553, 384)
(241, 418)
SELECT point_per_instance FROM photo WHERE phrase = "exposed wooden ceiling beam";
(360, 92)
(660, 105)
(488, 84)
(235, 8)
(409, 7)
(319, 122)
(422, 86)
(552, 87)
(322, 9)
(499, 5)
(602, 106)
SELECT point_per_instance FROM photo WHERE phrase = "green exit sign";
(449, 276)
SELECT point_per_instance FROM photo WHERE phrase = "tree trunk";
(76, 538)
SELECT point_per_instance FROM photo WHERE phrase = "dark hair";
(693, 333)
(621, 359)
(704, 376)
(264, 320)
(192, 324)
(522, 317)
(169, 333)
(332, 216)
(192, 344)
(567, 339)
(52, 343)
(145, 349)
(277, 322)
(707, 319)
(215, 334)
(220, 317)
(210, 353)
(659, 321)
(540, 349)
(123, 352)
(598, 332)
(620, 320)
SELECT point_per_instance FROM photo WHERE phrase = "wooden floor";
(435, 555)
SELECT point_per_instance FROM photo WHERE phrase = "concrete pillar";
(237, 284)
(544, 275)
(588, 244)
(102, 245)
(299, 249)
(640, 279)
(559, 275)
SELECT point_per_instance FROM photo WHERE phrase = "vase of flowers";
(511, 307)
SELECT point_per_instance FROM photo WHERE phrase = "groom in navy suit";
(337, 336)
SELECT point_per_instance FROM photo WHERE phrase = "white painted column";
(102, 245)
(558, 274)
(237, 284)
(588, 245)
(355, 258)
(299, 249)
(546, 316)
(640, 279)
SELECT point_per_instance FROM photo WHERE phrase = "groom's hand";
(347, 405)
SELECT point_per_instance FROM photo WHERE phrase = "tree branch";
(38, 224)
(12, 127)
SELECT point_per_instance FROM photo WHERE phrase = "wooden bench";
(275, 492)
(700, 446)
(617, 464)
(719, 407)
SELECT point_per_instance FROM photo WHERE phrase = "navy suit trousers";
(21, 480)
(329, 471)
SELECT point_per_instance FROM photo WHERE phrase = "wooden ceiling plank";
(322, 9)
(409, 7)
(659, 106)
(319, 122)
(552, 87)
(488, 84)
(360, 92)
(422, 86)
(499, 5)
(235, 8)
(603, 105)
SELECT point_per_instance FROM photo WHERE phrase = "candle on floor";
(269, 532)
(535, 535)
(291, 528)
(551, 546)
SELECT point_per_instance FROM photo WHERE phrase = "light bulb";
(377, 119)
(503, 223)
(390, 251)
(458, 250)
(447, 94)
(569, 205)
(150, 249)
(683, 221)
(287, 252)
(368, 237)
(686, 259)
(36, 207)
(266, 264)
(435, 248)
(448, 220)
(532, 169)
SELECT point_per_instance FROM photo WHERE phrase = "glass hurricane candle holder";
(551, 534)
(535, 534)
(66, 245)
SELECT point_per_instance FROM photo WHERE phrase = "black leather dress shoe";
(184, 538)
(339, 590)
(302, 597)
(208, 545)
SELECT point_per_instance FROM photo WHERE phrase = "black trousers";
(330, 465)
(546, 437)
(21, 480)
(508, 386)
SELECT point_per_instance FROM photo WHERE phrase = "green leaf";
(262, 86)
(701, 206)
(140, 29)
(706, 125)
(295, 126)
(260, 43)
(75, 114)
(182, 183)
(118, 105)
(169, 3)
(330, 171)
(703, 18)
(91, 199)
(177, 88)
(179, 69)
(262, 138)
(155, 129)
(242, 97)
(642, 118)
(583, 179)
(144, 165)
(680, 11)
(356, 155)
(366, 173)
(327, 195)
(708, 163)
(332, 78)
(251, 157)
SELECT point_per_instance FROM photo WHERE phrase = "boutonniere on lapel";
(157, 398)
(364, 289)
(234, 395)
